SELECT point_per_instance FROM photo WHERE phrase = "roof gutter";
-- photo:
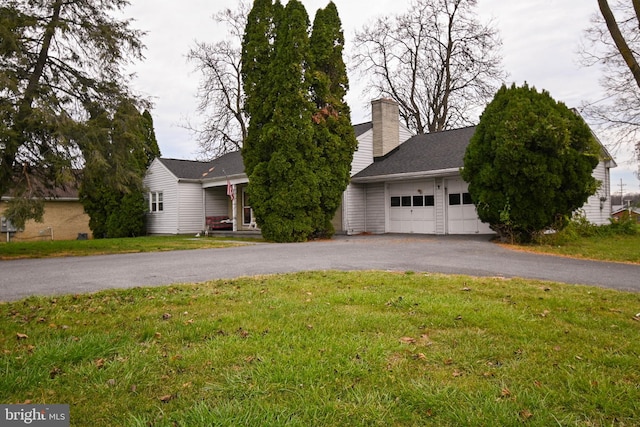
(238, 178)
(406, 176)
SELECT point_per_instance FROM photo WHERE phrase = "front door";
(248, 220)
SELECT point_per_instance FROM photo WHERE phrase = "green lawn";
(614, 248)
(44, 249)
(330, 349)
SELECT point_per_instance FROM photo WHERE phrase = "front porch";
(231, 201)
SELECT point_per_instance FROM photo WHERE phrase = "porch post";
(234, 208)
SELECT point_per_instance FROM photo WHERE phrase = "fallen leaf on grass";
(407, 340)
(505, 392)
(99, 363)
(167, 397)
(21, 336)
(525, 414)
(636, 317)
(55, 372)
(456, 374)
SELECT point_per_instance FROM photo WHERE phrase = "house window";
(406, 201)
(418, 201)
(395, 201)
(156, 203)
(454, 199)
(466, 199)
(429, 201)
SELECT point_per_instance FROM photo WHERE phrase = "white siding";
(217, 202)
(404, 133)
(363, 156)
(354, 212)
(190, 206)
(599, 212)
(158, 178)
(375, 208)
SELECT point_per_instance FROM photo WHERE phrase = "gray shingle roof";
(225, 165)
(423, 153)
(362, 128)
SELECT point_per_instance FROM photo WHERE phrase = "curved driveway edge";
(470, 255)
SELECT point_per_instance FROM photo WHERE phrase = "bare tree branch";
(223, 125)
(436, 60)
(614, 43)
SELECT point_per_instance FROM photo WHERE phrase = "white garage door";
(412, 207)
(462, 217)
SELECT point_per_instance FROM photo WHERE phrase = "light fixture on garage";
(419, 191)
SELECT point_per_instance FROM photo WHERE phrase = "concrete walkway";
(472, 255)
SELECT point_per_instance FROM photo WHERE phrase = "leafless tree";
(436, 60)
(613, 41)
(221, 99)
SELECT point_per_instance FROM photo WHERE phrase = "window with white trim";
(156, 203)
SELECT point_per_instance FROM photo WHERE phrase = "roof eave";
(406, 176)
(238, 178)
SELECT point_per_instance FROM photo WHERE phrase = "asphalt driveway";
(472, 255)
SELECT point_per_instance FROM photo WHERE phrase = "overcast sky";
(540, 43)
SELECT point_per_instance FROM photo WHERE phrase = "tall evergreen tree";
(333, 131)
(283, 186)
(300, 140)
(58, 59)
(123, 145)
(529, 164)
(257, 54)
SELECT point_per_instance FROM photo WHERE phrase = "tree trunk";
(618, 38)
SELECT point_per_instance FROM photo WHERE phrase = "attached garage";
(423, 190)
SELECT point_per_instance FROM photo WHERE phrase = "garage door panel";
(410, 214)
(462, 217)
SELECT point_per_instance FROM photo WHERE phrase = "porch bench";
(219, 223)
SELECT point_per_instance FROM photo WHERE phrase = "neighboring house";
(401, 183)
(64, 219)
(626, 212)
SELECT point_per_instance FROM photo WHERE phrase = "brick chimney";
(386, 126)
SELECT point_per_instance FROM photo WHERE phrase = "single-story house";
(401, 183)
(64, 219)
(626, 212)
